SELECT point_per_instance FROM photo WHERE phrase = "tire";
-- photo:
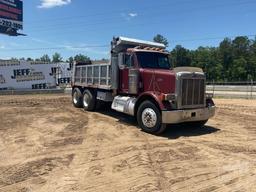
(77, 98)
(89, 100)
(149, 118)
(196, 124)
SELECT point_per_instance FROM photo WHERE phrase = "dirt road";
(47, 145)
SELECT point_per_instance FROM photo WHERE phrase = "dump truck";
(139, 81)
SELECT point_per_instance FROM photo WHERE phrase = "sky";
(70, 27)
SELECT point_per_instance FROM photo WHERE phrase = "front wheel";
(149, 118)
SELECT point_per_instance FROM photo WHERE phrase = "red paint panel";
(124, 80)
(158, 80)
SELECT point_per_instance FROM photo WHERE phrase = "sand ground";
(48, 145)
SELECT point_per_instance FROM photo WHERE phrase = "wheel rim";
(149, 117)
(86, 100)
(75, 97)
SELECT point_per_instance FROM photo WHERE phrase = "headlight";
(209, 95)
(169, 97)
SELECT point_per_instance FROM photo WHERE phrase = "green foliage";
(232, 60)
(29, 59)
(14, 59)
(180, 56)
(81, 58)
(70, 60)
(56, 58)
(161, 39)
(45, 58)
(238, 71)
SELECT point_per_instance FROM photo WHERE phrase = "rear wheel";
(149, 118)
(89, 100)
(77, 98)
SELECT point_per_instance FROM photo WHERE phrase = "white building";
(33, 75)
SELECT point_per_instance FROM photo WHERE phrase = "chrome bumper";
(187, 115)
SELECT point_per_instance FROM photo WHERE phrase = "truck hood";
(188, 69)
(158, 80)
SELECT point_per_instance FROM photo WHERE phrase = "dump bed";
(94, 75)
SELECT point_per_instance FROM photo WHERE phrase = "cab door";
(124, 73)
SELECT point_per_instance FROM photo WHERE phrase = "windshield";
(153, 60)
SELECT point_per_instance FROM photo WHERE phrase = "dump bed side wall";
(96, 76)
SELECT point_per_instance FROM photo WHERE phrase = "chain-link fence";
(240, 89)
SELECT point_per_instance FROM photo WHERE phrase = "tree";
(226, 57)
(104, 60)
(241, 46)
(45, 58)
(238, 71)
(253, 47)
(180, 56)
(207, 59)
(161, 39)
(82, 59)
(14, 59)
(232, 60)
(29, 59)
(70, 60)
(56, 58)
(251, 63)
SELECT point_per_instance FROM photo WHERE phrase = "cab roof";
(151, 50)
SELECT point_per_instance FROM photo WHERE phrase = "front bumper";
(187, 115)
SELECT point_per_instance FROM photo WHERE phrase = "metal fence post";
(213, 88)
(247, 90)
(251, 87)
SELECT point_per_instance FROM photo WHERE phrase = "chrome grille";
(192, 92)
